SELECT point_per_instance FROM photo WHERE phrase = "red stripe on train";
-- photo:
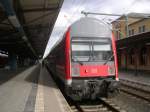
(67, 52)
(94, 70)
(115, 54)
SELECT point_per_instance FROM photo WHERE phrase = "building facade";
(133, 43)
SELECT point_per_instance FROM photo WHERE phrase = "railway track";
(136, 89)
(101, 105)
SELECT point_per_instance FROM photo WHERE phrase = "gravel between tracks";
(131, 103)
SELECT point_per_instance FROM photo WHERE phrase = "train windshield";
(91, 49)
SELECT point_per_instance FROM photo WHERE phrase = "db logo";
(86, 71)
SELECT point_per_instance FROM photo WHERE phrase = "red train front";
(85, 60)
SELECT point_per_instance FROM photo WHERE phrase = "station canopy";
(26, 25)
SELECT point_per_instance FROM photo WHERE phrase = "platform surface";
(16, 87)
(140, 77)
(49, 98)
(30, 90)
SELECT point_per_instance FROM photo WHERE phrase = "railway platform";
(30, 90)
(140, 77)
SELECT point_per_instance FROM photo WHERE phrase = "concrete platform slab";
(30, 90)
(140, 77)
(15, 92)
(49, 98)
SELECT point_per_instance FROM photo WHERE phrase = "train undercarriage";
(92, 88)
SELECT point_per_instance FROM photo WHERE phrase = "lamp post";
(127, 27)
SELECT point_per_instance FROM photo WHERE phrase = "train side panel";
(56, 61)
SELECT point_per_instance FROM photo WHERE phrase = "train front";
(93, 61)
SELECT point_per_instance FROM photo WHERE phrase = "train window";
(81, 51)
(80, 47)
(85, 50)
(101, 51)
(104, 47)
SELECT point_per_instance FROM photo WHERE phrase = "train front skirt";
(92, 88)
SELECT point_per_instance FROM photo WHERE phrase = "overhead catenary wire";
(75, 11)
(60, 32)
(69, 20)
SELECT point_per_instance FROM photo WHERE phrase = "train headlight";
(75, 71)
(111, 70)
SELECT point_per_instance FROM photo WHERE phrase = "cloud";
(139, 7)
(71, 11)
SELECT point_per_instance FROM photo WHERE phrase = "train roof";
(90, 27)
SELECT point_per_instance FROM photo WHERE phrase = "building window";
(129, 32)
(143, 28)
(132, 31)
(123, 59)
(140, 29)
(143, 56)
(117, 35)
(132, 56)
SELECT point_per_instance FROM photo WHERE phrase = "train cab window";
(81, 47)
(81, 51)
(101, 51)
(104, 47)
(91, 49)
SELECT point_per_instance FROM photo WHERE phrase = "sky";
(71, 11)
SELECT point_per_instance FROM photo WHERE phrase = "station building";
(133, 43)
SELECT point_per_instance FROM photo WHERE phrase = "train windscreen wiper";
(111, 56)
(76, 60)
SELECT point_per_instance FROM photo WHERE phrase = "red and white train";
(85, 60)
